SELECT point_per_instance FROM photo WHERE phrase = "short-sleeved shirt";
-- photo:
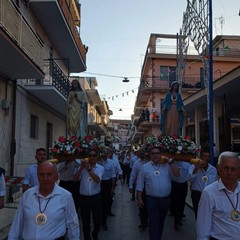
(88, 187)
(31, 177)
(156, 179)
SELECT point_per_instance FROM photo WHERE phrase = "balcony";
(59, 23)
(149, 84)
(21, 51)
(53, 89)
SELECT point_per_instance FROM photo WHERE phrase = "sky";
(117, 34)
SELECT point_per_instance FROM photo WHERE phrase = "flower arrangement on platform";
(173, 145)
(74, 146)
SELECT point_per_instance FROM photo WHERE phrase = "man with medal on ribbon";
(155, 177)
(45, 211)
(219, 206)
(201, 174)
(90, 176)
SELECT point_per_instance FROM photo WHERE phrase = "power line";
(108, 75)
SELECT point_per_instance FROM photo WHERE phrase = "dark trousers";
(106, 187)
(73, 188)
(126, 173)
(90, 205)
(143, 211)
(157, 210)
(195, 196)
(178, 198)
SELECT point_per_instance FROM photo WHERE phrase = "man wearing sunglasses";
(155, 176)
(90, 175)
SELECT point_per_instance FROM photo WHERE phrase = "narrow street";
(124, 226)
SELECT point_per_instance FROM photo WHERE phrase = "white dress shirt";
(184, 169)
(60, 212)
(118, 168)
(156, 185)
(214, 213)
(197, 183)
(88, 187)
(30, 177)
(2, 186)
(135, 171)
(109, 169)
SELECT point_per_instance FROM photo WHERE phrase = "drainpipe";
(13, 140)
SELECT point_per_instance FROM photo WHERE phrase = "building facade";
(40, 47)
(160, 69)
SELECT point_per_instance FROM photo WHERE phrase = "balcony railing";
(226, 52)
(68, 16)
(157, 82)
(171, 49)
(54, 76)
(17, 28)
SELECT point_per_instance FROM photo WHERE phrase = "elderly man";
(219, 206)
(45, 211)
(155, 176)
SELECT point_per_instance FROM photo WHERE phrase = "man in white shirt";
(31, 178)
(2, 187)
(107, 184)
(143, 158)
(219, 206)
(155, 176)
(90, 175)
(66, 170)
(201, 175)
(45, 211)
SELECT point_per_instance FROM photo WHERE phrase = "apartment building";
(160, 69)
(40, 47)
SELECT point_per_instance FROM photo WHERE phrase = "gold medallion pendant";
(204, 178)
(89, 179)
(41, 219)
(235, 215)
(156, 173)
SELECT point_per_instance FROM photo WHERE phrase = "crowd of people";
(56, 196)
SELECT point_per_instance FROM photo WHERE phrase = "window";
(168, 74)
(34, 127)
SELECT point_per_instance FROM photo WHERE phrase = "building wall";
(26, 146)
(5, 123)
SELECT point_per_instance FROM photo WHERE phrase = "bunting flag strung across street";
(123, 94)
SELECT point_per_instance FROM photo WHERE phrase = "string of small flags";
(121, 95)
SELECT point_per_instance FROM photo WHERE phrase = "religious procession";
(71, 168)
(73, 193)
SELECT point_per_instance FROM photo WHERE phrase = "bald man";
(46, 211)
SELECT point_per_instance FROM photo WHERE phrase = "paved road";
(124, 226)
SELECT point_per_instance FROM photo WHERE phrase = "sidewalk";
(6, 217)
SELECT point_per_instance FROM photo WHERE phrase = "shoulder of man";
(2, 171)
